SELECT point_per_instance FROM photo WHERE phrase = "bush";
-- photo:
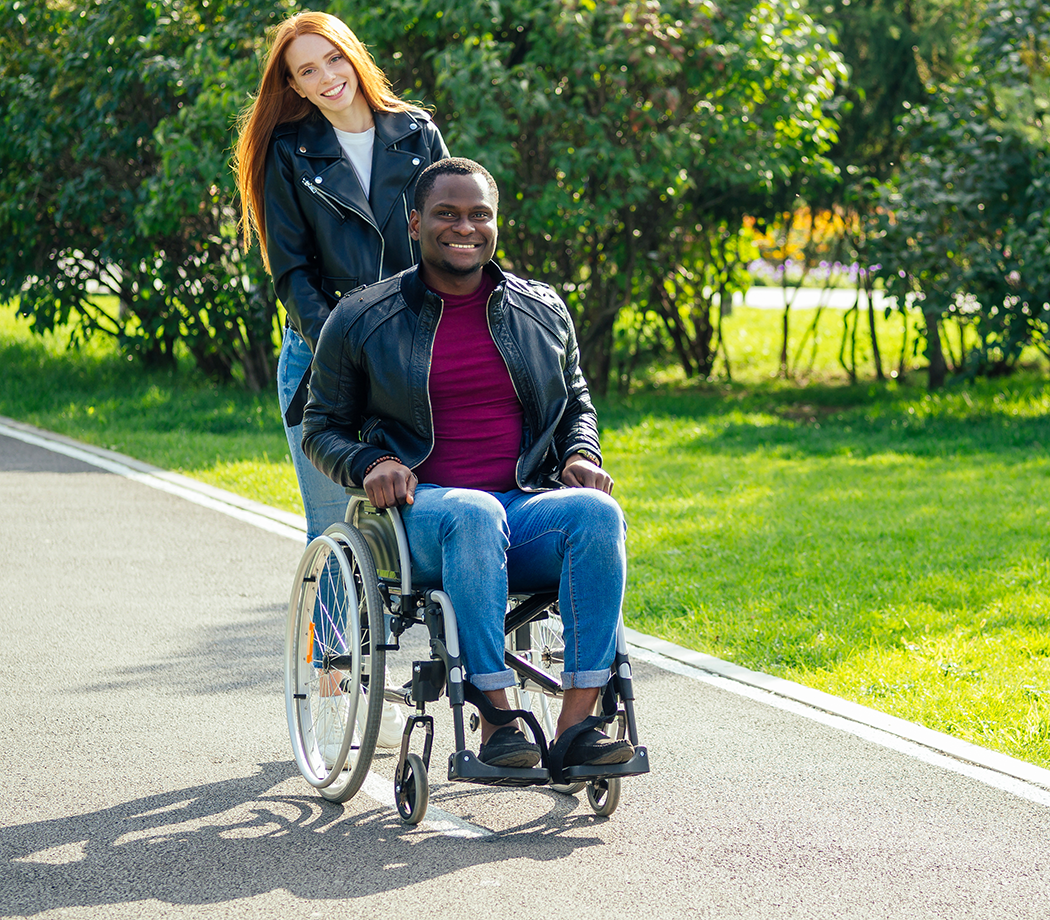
(115, 177)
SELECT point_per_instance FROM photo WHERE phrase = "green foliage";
(629, 138)
(965, 228)
(115, 177)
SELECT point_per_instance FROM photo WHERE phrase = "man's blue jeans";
(323, 500)
(477, 545)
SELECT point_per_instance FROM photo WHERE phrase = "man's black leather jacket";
(369, 389)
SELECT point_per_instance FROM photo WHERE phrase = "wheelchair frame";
(353, 586)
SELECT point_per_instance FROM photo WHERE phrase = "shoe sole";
(521, 760)
(618, 754)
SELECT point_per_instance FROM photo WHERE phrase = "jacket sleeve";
(335, 410)
(438, 150)
(579, 424)
(290, 247)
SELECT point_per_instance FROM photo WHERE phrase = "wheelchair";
(353, 599)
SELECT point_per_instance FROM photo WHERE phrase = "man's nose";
(464, 225)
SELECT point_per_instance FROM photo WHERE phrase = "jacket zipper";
(510, 374)
(337, 206)
(430, 365)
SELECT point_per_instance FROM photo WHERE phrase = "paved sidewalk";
(145, 769)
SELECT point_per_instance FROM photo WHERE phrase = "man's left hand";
(581, 473)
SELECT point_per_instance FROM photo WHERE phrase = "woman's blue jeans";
(477, 545)
(323, 501)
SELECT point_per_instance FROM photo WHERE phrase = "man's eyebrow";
(470, 207)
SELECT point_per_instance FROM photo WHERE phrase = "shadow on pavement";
(239, 838)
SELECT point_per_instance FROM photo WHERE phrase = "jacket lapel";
(332, 173)
(393, 169)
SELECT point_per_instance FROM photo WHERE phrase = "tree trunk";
(934, 352)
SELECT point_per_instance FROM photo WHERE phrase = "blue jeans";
(323, 500)
(478, 545)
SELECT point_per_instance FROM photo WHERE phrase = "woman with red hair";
(327, 160)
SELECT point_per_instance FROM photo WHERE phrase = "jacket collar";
(415, 292)
(393, 168)
(316, 138)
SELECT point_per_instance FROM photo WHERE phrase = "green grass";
(877, 543)
(873, 541)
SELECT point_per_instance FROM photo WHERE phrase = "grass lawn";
(873, 541)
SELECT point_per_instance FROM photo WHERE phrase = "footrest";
(636, 766)
(465, 767)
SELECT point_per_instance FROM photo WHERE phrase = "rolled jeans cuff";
(584, 679)
(498, 680)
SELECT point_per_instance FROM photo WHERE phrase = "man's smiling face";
(456, 231)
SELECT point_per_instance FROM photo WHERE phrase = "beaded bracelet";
(371, 466)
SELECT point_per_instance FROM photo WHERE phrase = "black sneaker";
(508, 747)
(593, 748)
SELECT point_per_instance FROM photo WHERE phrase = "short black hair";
(456, 166)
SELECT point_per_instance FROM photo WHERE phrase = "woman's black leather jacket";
(324, 236)
(369, 390)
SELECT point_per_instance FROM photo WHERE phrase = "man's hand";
(581, 473)
(390, 483)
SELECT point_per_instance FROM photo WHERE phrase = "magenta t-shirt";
(477, 415)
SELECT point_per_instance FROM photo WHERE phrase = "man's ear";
(413, 224)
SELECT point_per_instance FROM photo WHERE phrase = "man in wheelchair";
(453, 391)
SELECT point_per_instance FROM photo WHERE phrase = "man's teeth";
(463, 245)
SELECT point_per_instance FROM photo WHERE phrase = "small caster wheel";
(604, 795)
(412, 794)
(567, 788)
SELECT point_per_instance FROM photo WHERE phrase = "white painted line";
(989, 767)
(437, 819)
(998, 770)
(275, 521)
(269, 519)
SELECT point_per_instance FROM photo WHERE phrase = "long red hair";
(277, 103)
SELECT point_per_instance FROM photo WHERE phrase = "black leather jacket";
(324, 237)
(369, 390)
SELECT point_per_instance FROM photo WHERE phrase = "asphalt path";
(146, 769)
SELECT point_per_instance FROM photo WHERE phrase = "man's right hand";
(390, 483)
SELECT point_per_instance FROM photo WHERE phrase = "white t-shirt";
(359, 148)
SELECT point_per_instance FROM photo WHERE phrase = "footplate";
(636, 766)
(465, 767)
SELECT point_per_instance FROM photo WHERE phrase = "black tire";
(413, 795)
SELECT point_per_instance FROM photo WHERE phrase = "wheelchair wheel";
(413, 792)
(330, 663)
(544, 647)
(603, 795)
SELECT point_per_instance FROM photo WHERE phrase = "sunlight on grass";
(820, 546)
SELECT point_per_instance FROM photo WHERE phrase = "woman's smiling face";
(322, 74)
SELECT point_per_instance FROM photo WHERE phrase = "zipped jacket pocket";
(325, 200)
